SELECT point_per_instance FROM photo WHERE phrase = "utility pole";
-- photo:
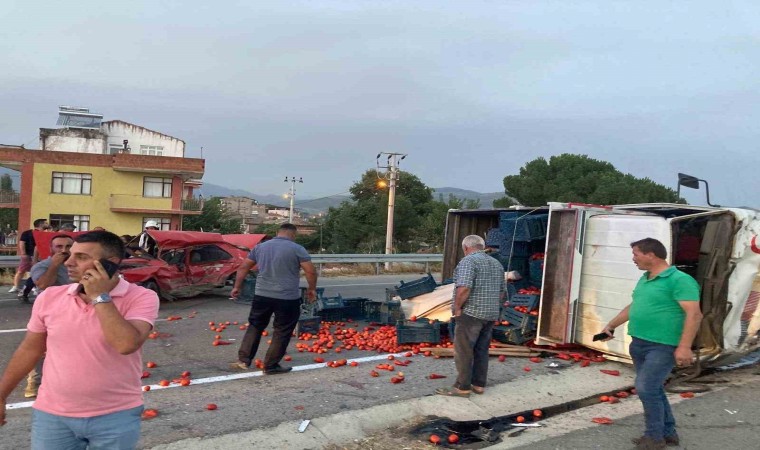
(391, 175)
(292, 193)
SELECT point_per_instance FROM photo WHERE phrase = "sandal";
(452, 392)
(478, 390)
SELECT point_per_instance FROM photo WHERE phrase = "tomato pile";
(536, 256)
(340, 337)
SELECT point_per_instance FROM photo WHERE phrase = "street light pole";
(392, 175)
(292, 193)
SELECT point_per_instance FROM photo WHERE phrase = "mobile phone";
(602, 335)
(110, 267)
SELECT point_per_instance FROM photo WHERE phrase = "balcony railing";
(7, 197)
(192, 204)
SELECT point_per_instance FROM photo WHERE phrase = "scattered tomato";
(602, 420)
(615, 373)
(184, 382)
(520, 419)
(146, 388)
(287, 358)
(150, 364)
(502, 358)
(604, 399)
(353, 364)
(185, 374)
(687, 394)
(435, 439)
(453, 438)
(413, 319)
(319, 360)
(211, 406)
(149, 414)
(538, 413)
(163, 383)
(145, 374)
(526, 368)
(374, 374)
(535, 359)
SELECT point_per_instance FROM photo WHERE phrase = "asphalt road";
(257, 402)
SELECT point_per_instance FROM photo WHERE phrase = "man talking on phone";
(48, 272)
(92, 330)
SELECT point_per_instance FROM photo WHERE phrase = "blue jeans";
(653, 363)
(119, 430)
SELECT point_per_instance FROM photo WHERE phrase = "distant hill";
(316, 205)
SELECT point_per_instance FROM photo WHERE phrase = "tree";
(6, 183)
(8, 216)
(503, 202)
(214, 216)
(578, 178)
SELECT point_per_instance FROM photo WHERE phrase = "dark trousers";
(472, 337)
(286, 314)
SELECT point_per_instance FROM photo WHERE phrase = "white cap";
(151, 223)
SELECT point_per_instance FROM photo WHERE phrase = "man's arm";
(22, 362)
(311, 279)
(683, 353)
(618, 320)
(50, 276)
(21, 251)
(242, 272)
(462, 294)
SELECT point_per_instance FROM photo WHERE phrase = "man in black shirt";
(26, 246)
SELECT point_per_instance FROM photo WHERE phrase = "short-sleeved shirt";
(29, 244)
(39, 269)
(279, 263)
(84, 375)
(655, 314)
(485, 278)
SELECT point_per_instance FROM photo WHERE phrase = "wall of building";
(137, 136)
(109, 187)
(73, 140)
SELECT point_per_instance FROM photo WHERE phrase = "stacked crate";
(517, 237)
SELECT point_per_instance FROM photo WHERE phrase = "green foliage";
(578, 178)
(503, 202)
(6, 183)
(214, 216)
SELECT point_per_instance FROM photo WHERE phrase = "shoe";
(277, 369)
(239, 365)
(670, 441)
(35, 291)
(647, 443)
(13, 289)
(31, 390)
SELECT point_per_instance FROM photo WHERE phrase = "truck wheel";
(150, 284)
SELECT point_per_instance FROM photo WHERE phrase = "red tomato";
(538, 413)
(211, 406)
(453, 439)
(435, 439)
(150, 364)
(163, 383)
(520, 419)
(149, 414)
(185, 374)
(146, 388)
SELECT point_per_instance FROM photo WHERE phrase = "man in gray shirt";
(49, 272)
(279, 262)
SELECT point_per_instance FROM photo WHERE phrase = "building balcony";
(124, 203)
(9, 199)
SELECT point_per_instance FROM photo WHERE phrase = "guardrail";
(421, 258)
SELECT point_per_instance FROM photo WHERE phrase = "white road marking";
(17, 330)
(358, 284)
(236, 376)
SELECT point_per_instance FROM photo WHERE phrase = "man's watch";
(102, 298)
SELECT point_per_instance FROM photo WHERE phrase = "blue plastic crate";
(529, 300)
(516, 229)
(520, 264)
(416, 332)
(309, 324)
(495, 237)
(537, 225)
(330, 303)
(518, 319)
(536, 269)
(516, 249)
(355, 307)
(416, 287)
(512, 335)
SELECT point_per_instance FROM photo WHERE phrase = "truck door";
(562, 271)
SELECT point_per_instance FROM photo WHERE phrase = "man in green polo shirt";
(663, 320)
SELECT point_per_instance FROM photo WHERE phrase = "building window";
(164, 223)
(72, 183)
(115, 148)
(157, 187)
(81, 222)
(152, 150)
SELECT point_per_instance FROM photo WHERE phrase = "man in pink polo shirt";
(92, 393)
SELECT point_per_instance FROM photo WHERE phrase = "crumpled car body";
(187, 263)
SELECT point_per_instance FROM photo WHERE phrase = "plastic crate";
(518, 319)
(325, 303)
(512, 334)
(383, 312)
(518, 249)
(248, 290)
(529, 300)
(416, 332)
(537, 225)
(309, 325)
(494, 237)
(519, 264)
(320, 293)
(416, 287)
(536, 270)
(355, 307)
(516, 229)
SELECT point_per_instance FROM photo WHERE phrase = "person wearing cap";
(146, 242)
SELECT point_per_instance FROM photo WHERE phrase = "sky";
(470, 90)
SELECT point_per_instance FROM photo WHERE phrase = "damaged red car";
(187, 263)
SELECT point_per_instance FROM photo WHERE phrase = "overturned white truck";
(588, 273)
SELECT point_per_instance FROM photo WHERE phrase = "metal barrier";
(421, 258)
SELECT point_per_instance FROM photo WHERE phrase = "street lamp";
(692, 183)
(292, 193)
